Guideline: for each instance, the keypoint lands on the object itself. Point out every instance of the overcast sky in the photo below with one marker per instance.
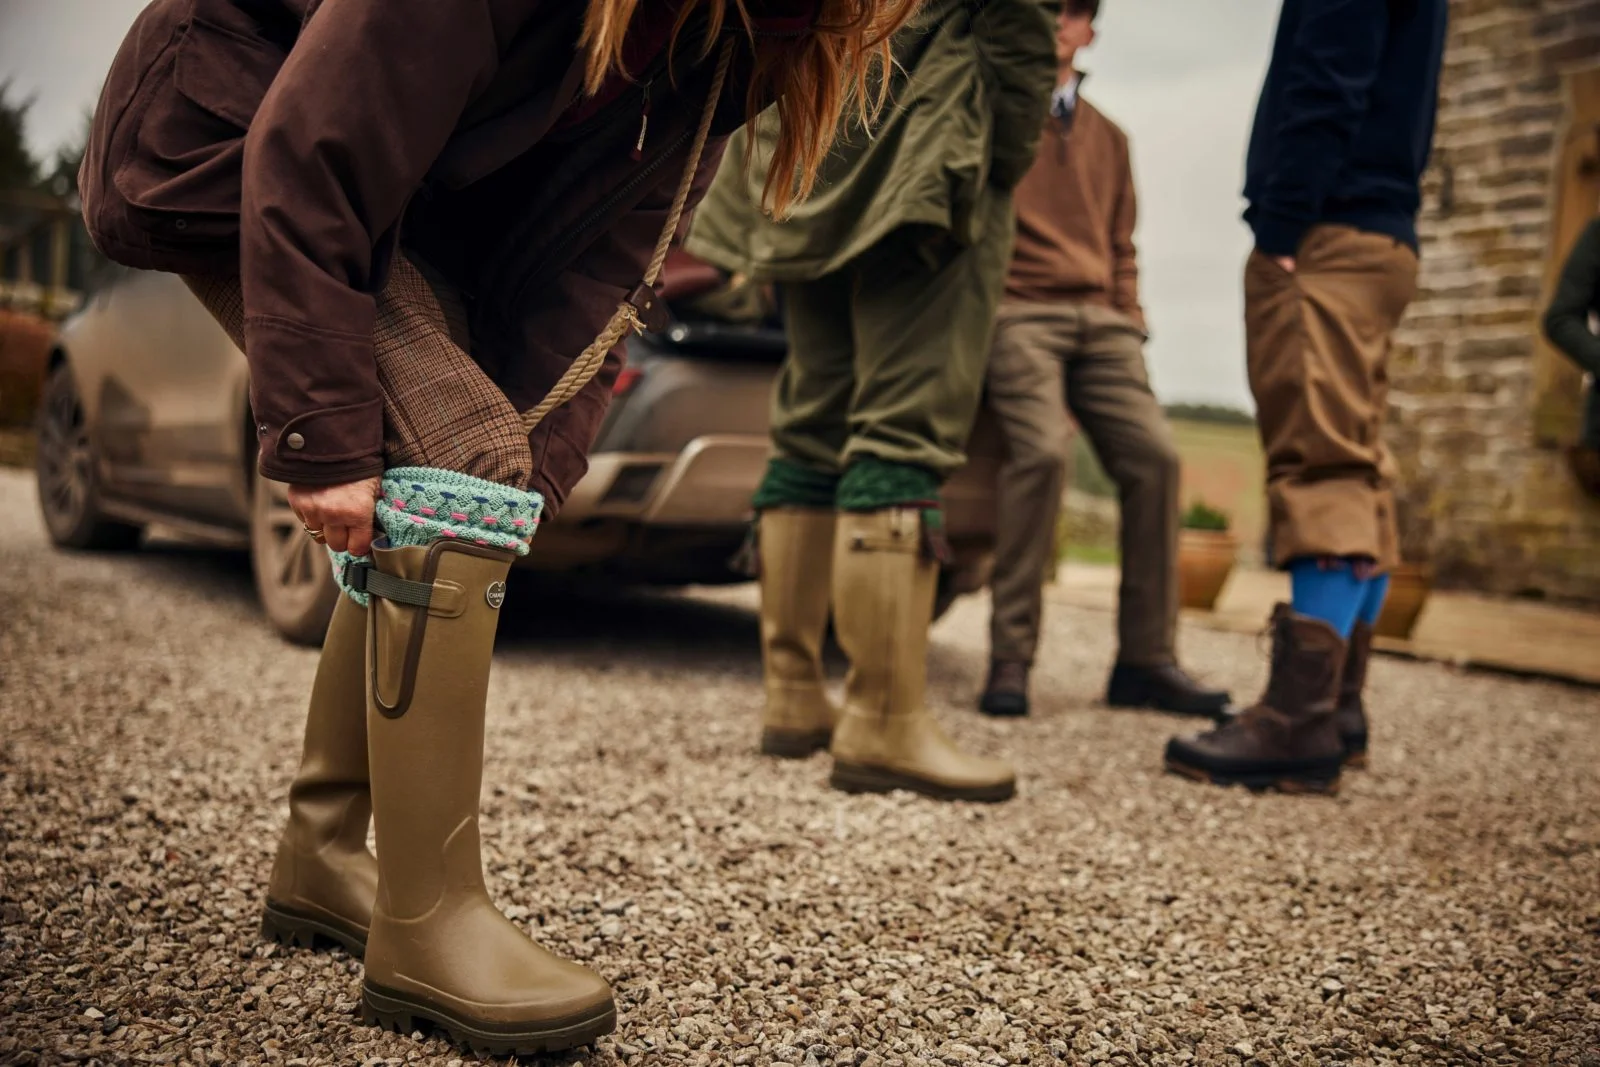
(1179, 76)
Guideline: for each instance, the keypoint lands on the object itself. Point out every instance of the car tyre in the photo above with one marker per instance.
(293, 575)
(64, 468)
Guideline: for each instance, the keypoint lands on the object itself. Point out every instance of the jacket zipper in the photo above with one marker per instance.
(644, 123)
(560, 241)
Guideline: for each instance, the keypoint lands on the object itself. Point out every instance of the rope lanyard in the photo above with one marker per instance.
(625, 319)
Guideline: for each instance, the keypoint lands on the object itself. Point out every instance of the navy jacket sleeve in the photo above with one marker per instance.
(1336, 54)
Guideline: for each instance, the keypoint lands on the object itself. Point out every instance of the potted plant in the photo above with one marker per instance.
(1206, 552)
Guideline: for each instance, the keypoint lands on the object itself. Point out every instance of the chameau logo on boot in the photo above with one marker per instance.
(495, 594)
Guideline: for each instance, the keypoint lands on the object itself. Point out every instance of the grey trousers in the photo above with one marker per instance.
(1049, 362)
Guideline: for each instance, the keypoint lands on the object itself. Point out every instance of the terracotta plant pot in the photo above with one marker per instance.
(1205, 559)
(1409, 585)
(24, 358)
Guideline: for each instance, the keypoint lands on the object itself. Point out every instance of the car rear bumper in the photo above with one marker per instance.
(708, 483)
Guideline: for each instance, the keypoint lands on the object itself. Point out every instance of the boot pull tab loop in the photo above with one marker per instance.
(363, 577)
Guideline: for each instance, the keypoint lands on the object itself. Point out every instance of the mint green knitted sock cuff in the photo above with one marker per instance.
(420, 505)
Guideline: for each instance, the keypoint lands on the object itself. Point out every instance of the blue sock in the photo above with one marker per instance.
(1372, 599)
(1328, 590)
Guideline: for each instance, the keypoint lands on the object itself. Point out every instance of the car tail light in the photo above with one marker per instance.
(627, 378)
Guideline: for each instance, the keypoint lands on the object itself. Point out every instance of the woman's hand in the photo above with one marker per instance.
(343, 514)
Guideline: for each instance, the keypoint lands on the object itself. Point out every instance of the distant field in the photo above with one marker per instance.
(1221, 465)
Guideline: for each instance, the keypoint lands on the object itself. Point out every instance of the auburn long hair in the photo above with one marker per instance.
(812, 78)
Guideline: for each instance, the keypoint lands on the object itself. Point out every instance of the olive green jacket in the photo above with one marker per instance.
(966, 107)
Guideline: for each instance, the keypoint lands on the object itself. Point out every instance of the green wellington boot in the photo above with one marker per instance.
(796, 566)
(883, 590)
(324, 879)
(439, 951)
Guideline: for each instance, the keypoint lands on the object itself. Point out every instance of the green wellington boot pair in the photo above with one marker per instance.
(871, 570)
(400, 692)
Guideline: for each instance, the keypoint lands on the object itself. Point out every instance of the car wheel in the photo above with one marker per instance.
(293, 576)
(64, 467)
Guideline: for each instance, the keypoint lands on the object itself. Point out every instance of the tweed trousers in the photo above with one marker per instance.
(439, 407)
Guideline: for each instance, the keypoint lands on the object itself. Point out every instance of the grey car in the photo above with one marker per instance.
(145, 422)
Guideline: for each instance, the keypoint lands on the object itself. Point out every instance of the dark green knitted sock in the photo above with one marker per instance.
(787, 484)
(871, 484)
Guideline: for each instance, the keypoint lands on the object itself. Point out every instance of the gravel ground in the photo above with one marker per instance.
(1445, 909)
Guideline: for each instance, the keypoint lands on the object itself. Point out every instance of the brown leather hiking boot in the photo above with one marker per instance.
(1163, 687)
(887, 739)
(1006, 694)
(1352, 712)
(439, 952)
(1288, 740)
(324, 879)
(796, 546)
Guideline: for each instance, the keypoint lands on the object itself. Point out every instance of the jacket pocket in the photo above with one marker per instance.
(180, 174)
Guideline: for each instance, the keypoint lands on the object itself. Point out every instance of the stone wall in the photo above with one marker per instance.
(1486, 496)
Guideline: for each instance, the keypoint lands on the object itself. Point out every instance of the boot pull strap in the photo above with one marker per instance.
(641, 305)
(363, 577)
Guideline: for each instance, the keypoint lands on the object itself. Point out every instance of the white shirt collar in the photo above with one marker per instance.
(1064, 101)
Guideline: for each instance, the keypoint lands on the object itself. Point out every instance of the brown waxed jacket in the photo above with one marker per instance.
(300, 143)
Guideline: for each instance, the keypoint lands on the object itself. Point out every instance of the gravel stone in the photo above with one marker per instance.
(1443, 910)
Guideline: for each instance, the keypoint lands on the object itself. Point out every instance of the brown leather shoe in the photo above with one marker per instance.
(1006, 693)
(1163, 687)
(324, 879)
(1289, 740)
(1352, 713)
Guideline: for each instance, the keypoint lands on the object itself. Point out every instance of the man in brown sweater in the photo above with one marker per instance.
(1069, 339)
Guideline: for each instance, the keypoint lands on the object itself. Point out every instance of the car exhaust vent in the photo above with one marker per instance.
(633, 484)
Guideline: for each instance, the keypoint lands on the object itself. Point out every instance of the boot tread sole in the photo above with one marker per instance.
(1208, 711)
(297, 929)
(794, 744)
(1004, 705)
(1319, 783)
(858, 778)
(403, 1014)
